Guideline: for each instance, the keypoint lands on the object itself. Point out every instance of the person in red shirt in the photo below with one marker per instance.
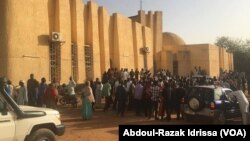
(50, 97)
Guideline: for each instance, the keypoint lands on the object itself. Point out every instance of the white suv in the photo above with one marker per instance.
(25, 123)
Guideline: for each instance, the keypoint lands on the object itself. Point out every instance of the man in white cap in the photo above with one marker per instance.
(71, 87)
(21, 97)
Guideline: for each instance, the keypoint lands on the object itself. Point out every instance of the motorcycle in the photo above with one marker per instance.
(68, 99)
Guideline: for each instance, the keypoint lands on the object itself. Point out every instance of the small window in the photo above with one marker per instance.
(195, 91)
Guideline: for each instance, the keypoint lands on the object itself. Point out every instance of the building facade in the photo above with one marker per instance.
(56, 39)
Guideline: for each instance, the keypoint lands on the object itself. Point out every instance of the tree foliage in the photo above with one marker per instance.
(240, 49)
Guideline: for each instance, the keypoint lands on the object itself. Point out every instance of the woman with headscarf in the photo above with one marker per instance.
(87, 100)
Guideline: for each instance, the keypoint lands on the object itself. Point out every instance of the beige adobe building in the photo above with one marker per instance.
(56, 39)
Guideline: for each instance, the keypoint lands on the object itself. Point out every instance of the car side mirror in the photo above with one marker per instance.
(3, 109)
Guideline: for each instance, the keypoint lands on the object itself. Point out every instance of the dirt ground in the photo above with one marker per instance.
(103, 126)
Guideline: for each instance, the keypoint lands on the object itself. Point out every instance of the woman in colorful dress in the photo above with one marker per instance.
(87, 100)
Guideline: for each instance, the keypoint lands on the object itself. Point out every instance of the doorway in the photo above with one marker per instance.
(175, 67)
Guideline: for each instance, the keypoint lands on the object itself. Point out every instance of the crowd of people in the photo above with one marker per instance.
(35, 93)
(157, 96)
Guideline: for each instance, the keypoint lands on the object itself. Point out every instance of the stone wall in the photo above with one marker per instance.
(123, 56)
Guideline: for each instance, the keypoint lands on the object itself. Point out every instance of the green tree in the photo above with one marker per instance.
(240, 49)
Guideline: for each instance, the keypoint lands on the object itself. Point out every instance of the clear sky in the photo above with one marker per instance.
(196, 21)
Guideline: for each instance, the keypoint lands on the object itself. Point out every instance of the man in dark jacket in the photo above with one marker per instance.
(168, 96)
(179, 94)
(121, 99)
(32, 86)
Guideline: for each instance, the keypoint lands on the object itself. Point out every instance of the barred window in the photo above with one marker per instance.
(74, 61)
(55, 62)
(88, 60)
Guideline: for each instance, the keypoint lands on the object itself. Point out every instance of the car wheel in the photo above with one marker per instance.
(195, 103)
(42, 135)
(220, 119)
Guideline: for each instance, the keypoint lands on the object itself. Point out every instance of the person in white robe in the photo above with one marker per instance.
(22, 97)
(243, 103)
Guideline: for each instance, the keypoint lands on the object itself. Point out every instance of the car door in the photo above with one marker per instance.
(232, 105)
(7, 124)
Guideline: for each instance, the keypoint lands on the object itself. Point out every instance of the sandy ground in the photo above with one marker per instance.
(104, 125)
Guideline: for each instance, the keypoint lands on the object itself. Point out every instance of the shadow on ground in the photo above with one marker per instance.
(72, 119)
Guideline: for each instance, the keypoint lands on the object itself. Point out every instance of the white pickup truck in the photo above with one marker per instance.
(25, 123)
